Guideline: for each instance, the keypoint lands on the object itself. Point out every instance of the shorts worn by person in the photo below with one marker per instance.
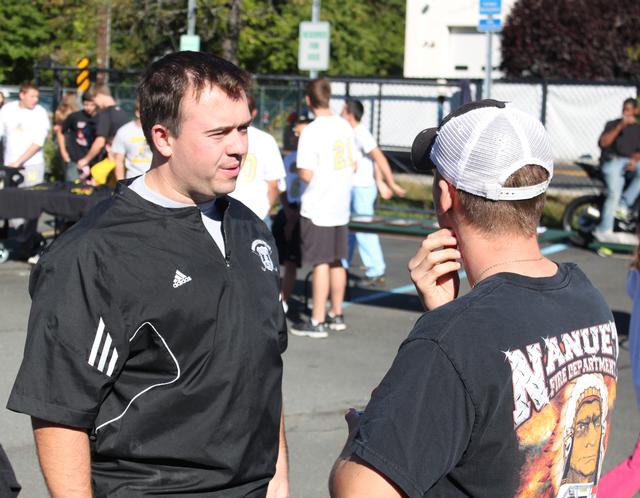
(262, 170)
(326, 161)
(507, 390)
(620, 144)
(153, 358)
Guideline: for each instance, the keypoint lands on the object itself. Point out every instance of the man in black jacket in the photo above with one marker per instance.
(153, 359)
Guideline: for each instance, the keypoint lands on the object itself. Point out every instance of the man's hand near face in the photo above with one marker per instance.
(434, 269)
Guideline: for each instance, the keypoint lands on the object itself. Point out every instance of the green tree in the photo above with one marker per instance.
(573, 39)
(261, 35)
(24, 30)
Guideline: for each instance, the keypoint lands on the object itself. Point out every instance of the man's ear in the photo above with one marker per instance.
(162, 140)
(446, 198)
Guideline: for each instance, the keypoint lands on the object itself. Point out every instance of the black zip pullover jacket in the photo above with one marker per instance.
(165, 351)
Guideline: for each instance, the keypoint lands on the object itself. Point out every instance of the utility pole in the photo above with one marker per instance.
(489, 60)
(315, 17)
(103, 41)
(191, 17)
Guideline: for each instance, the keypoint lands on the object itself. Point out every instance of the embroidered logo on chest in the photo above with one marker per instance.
(180, 279)
(263, 250)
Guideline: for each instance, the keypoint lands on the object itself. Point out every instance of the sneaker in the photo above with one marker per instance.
(372, 281)
(616, 238)
(336, 323)
(33, 260)
(308, 329)
(622, 213)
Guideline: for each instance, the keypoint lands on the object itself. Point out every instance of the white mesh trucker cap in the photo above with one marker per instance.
(477, 147)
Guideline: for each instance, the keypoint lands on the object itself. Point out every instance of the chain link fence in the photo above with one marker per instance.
(395, 110)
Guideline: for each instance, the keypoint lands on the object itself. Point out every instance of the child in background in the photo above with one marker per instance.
(286, 225)
(624, 480)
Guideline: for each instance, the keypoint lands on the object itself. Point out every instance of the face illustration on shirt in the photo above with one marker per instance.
(587, 432)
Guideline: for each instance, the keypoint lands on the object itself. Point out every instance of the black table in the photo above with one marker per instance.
(66, 200)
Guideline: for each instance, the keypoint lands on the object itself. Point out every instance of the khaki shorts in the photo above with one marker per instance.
(322, 245)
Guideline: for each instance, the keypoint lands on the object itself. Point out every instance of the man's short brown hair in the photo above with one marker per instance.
(101, 89)
(319, 93)
(167, 80)
(28, 85)
(507, 217)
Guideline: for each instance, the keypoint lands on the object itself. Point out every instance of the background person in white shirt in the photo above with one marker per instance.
(25, 126)
(286, 225)
(372, 176)
(326, 162)
(132, 154)
(261, 173)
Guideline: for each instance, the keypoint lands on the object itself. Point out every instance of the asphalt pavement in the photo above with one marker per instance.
(324, 377)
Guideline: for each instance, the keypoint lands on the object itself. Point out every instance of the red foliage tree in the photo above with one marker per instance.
(572, 39)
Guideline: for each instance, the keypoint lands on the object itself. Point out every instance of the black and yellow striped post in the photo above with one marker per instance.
(83, 77)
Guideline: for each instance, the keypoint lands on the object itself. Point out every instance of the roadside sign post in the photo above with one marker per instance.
(313, 49)
(190, 42)
(489, 24)
(83, 77)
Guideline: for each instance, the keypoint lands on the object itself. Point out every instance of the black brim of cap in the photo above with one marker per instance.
(421, 149)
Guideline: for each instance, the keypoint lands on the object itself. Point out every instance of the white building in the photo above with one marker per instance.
(442, 40)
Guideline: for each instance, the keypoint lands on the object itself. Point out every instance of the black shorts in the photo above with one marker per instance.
(323, 244)
(288, 250)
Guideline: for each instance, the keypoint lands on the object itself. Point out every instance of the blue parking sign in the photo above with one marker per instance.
(490, 7)
(490, 24)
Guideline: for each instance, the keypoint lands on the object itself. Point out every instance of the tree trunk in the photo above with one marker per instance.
(103, 40)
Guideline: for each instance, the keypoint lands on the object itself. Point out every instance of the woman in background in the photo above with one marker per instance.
(624, 480)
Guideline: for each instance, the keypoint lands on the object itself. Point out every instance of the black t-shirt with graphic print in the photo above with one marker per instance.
(79, 130)
(508, 388)
(168, 353)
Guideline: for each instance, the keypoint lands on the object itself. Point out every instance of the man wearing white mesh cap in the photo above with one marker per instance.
(477, 401)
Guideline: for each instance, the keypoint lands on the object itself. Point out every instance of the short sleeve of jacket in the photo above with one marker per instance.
(75, 345)
(365, 139)
(418, 422)
(307, 154)
(119, 142)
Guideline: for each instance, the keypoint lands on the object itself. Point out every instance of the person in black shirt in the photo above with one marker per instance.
(620, 144)
(153, 364)
(78, 130)
(108, 120)
(508, 390)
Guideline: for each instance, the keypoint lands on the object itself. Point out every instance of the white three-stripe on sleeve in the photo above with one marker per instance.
(108, 350)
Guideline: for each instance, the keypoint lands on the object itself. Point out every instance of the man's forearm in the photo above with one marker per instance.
(279, 485)
(119, 170)
(26, 155)
(272, 192)
(97, 145)
(606, 139)
(282, 464)
(65, 459)
(383, 165)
